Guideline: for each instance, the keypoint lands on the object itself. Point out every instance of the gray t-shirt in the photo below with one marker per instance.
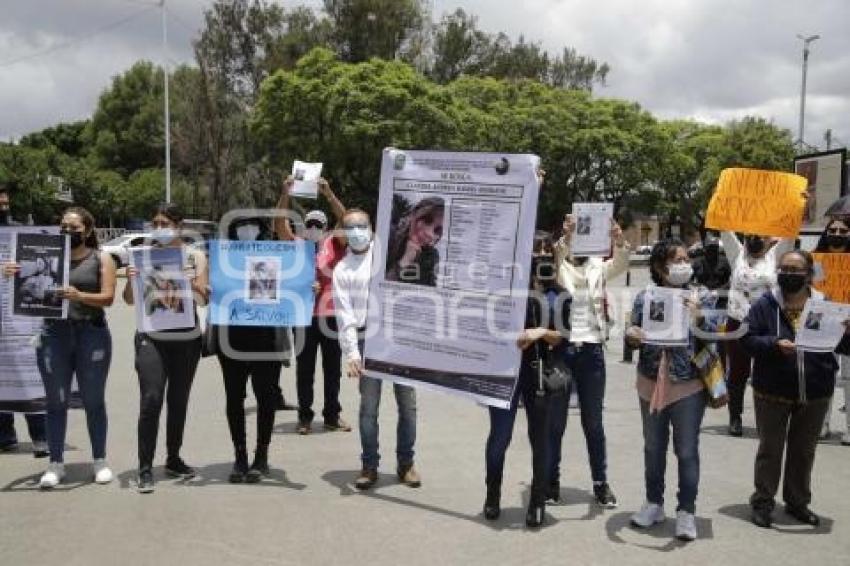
(85, 276)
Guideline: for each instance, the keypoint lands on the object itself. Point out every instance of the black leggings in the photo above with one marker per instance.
(161, 365)
(264, 377)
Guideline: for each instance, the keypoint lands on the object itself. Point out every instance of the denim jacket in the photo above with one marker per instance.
(681, 366)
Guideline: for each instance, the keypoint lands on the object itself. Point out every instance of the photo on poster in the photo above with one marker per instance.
(413, 242)
(813, 321)
(656, 311)
(306, 179)
(592, 232)
(262, 279)
(583, 225)
(43, 261)
(164, 289)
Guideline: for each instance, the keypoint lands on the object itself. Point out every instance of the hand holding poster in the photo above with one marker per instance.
(44, 265)
(162, 291)
(836, 276)
(766, 203)
(592, 233)
(263, 283)
(306, 176)
(823, 326)
(666, 321)
(448, 293)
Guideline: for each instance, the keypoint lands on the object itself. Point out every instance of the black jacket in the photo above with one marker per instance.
(809, 376)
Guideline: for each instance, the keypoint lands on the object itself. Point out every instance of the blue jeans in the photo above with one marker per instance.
(35, 424)
(542, 432)
(370, 400)
(79, 349)
(685, 416)
(588, 366)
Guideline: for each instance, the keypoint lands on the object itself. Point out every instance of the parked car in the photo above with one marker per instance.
(119, 248)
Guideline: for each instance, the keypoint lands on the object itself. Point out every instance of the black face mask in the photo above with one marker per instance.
(543, 268)
(755, 245)
(791, 283)
(836, 241)
(77, 239)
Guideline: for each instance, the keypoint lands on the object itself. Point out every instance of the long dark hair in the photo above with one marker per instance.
(88, 222)
(171, 211)
(822, 245)
(400, 231)
(662, 251)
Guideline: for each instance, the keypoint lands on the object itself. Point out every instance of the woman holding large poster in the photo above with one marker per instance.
(79, 346)
(542, 341)
(166, 360)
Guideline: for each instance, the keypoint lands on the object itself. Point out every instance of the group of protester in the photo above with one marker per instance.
(562, 348)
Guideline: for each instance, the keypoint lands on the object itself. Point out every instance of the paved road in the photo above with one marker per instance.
(307, 512)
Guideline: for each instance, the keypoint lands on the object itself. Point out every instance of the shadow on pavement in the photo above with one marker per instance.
(619, 526)
(76, 476)
(723, 430)
(573, 496)
(213, 474)
(511, 518)
(781, 522)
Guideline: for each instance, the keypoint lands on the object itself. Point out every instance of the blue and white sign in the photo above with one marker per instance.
(263, 283)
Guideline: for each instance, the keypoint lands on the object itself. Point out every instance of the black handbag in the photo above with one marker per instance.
(553, 374)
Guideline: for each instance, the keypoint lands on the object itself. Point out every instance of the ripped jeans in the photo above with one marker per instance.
(68, 349)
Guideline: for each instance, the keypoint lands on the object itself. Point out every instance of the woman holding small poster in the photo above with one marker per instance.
(671, 390)
(79, 346)
(166, 360)
(791, 391)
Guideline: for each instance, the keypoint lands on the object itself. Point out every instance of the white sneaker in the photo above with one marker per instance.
(53, 476)
(102, 473)
(650, 514)
(686, 526)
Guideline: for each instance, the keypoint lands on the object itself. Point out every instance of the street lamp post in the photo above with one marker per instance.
(806, 42)
(167, 109)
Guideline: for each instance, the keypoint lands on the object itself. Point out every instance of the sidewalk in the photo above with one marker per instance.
(308, 514)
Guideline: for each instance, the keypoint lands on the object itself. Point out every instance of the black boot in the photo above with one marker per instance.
(260, 467)
(553, 492)
(492, 508)
(536, 506)
(240, 466)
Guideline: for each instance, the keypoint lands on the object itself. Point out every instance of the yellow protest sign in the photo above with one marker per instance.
(767, 203)
(836, 282)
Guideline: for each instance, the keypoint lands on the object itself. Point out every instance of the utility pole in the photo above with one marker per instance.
(167, 109)
(806, 42)
(828, 138)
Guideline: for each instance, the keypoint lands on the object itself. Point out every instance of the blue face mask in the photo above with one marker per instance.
(163, 236)
(358, 238)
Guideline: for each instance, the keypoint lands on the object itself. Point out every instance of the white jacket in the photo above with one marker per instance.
(598, 272)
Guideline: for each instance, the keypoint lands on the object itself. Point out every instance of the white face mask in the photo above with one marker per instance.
(247, 232)
(358, 238)
(679, 274)
(314, 234)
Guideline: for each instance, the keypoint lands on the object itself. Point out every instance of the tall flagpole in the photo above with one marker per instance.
(167, 109)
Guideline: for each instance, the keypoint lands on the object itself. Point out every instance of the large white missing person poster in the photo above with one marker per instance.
(161, 290)
(823, 326)
(451, 265)
(21, 388)
(306, 179)
(665, 319)
(592, 233)
(44, 266)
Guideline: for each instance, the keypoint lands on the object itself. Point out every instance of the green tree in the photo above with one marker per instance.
(362, 29)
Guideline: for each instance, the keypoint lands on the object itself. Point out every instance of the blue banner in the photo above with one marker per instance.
(262, 283)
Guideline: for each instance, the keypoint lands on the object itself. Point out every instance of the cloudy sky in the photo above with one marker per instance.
(712, 60)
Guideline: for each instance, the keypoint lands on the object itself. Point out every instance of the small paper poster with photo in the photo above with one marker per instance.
(162, 290)
(665, 316)
(44, 267)
(592, 233)
(306, 176)
(822, 326)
